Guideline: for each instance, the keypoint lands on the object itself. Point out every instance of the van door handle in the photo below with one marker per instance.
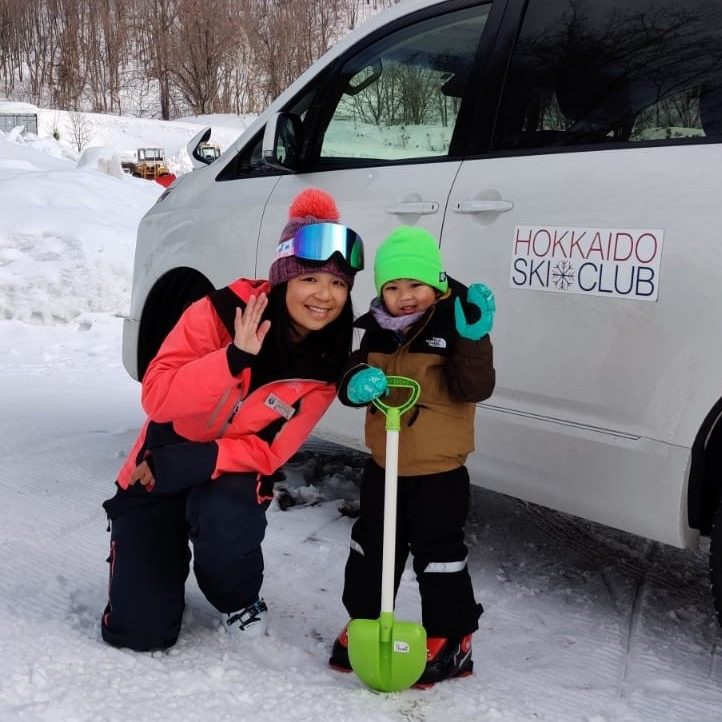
(417, 209)
(472, 206)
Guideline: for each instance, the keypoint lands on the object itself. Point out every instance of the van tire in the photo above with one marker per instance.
(715, 562)
(167, 300)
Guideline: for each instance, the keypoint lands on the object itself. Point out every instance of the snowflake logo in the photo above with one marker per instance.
(563, 275)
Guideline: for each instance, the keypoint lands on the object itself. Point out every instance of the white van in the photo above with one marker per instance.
(568, 153)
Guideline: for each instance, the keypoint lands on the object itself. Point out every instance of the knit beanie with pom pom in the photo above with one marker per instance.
(311, 205)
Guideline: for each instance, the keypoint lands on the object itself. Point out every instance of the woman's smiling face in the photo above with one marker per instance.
(314, 300)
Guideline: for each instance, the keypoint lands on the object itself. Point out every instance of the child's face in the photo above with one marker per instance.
(404, 296)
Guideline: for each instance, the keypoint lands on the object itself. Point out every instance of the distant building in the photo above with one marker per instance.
(14, 114)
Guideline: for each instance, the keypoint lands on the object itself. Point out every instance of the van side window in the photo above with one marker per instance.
(622, 71)
(247, 163)
(399, 98)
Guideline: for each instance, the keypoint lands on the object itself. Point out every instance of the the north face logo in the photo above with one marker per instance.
(436, 342)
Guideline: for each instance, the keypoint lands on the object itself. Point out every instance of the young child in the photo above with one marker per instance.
(233, 392)
(433, 329)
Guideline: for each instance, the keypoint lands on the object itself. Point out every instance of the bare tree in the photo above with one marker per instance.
(212, 56)
(38, 48)
(286, 36)
(203, 49)
(153, 23)
(81, 129)
(106, 52)
(69, 24)
(10, 62)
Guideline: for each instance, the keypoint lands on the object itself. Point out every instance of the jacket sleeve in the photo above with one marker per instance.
(191, 371)
(470, 371)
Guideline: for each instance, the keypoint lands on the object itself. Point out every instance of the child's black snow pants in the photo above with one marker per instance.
(150, 556)
(431, 513)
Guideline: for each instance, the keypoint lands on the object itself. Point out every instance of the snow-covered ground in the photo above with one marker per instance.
(581, 623)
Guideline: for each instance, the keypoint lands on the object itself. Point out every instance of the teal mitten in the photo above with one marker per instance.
(482, 297)
(366, 385)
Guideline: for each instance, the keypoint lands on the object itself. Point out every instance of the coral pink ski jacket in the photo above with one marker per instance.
(202, 421)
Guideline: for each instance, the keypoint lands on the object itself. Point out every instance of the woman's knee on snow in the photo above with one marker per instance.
(225, 518)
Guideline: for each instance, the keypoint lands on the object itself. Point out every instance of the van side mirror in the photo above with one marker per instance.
(194, 148)
(282, 141)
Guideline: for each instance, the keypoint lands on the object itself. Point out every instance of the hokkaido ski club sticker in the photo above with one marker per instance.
(616, 262)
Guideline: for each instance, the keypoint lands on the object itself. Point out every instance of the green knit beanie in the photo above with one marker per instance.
(410, 253)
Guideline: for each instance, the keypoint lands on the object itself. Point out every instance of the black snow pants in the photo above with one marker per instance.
(150, 556)
(431, 513)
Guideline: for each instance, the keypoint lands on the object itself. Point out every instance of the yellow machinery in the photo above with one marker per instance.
(149, 164)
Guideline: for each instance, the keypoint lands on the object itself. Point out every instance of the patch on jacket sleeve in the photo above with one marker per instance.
(436, 342)
(279, 406)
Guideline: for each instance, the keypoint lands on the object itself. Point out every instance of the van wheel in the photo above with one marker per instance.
(715, 561)
(173, 293)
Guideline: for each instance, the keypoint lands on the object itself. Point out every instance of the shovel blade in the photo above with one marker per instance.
(387, 655)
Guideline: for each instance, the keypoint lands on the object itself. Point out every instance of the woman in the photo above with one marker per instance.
(235, 389)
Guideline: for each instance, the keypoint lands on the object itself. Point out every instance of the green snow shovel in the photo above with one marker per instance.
(388, 655)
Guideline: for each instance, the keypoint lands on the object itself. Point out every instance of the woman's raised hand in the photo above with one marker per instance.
(250, 330)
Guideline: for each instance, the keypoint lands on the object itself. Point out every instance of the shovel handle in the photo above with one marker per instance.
(394, 413)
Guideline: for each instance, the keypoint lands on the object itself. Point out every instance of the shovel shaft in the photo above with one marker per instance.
(389, 548)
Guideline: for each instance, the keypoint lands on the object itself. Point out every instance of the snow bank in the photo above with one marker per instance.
(103, 159)
(67, 234)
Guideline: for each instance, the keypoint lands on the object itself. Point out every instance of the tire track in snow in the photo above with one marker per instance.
(634, 621)
(53, 534)
(663, 610)
(538, 604)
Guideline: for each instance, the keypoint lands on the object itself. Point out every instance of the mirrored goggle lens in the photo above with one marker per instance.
(319, 241)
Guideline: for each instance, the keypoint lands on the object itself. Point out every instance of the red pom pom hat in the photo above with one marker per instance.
(311, 205)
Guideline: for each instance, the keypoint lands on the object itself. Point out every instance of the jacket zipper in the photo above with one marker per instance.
(227, 422)
(219, 406)
(237, 406)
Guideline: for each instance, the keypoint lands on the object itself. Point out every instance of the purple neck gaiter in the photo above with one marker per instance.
(392, 323)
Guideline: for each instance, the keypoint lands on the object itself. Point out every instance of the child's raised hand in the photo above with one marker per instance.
(249, 329)
(482, 297)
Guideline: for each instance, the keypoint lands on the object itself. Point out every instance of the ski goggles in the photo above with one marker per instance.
(319, 241)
